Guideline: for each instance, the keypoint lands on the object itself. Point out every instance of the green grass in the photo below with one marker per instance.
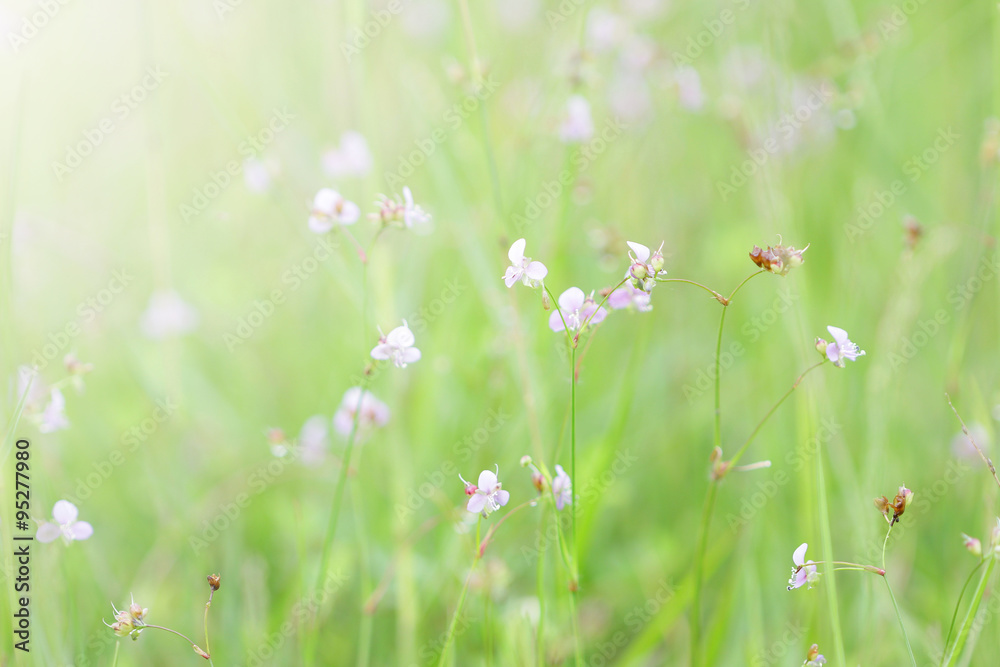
(644, 400)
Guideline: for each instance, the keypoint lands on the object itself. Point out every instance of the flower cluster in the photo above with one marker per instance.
(373, 412)
(779, 259)
(129, 622)
(646, 267)
(402, 213)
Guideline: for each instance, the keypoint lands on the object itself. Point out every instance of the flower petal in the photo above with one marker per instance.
(641, 251)
(349, 213)
(572, 299)
(516, 252)
(838, 334)
(326, 200)
(410, 355)
(476, 503)
(400, 336)
(320, 224)
(502, 497)
(512, 275)
(487, 480)
(833, 353)
(64, 512)
(47, 532)
(81, 530)
(556, 321)
(536, 271)
(382, 351)
(799, 556)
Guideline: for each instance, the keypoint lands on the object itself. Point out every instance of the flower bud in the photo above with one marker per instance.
(821, 345)
(638, 271)
(214, 581)
(973, 545)
(525, 461)
(907, 497)
(122, 628)
(471, 489)
(546, 301)
(539, 481)
(200, 652)
(656, 261)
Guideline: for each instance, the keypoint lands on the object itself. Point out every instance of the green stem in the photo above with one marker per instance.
(575, 621)
(721, 299)
(160, 627)
(760, 425)
(114, 661)
(699, 573)
(831, 582)
(208, 605)
(461, 601)
(540, 587)
(958, 604)
(899, 617)
(600, 305)
(970, 615)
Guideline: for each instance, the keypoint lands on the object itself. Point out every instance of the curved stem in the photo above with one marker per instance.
(718, 297)
(958, 604)
(745, 281)
(895, 606)
(495, 527)
(760, 425)
(555, 304)
(601, 304)
(160, 627)
(208, 648)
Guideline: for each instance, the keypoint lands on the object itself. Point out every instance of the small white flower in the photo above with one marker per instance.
(64, 523)
(330, 209)
(351, 158)
(488, 496)
(398, 347)
(562, 488)
(168, 315)
(522, 268)
(374, 413)
(578, 125)
(53, 418)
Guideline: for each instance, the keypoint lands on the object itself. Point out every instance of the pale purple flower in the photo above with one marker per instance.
(522, 268)
(578, 125)
(576, 309)
(627, 296)
(314, 440)
(330, 209)
(689, 90)
(351, 158)
(256, 175)
(374, 413)
(64, 523)
(488, 496)
(605, 29)
(804, 571)
(842, 348)
(562, 488)
(645, 266)
(168, 315)
(53, 417)
(397, 346)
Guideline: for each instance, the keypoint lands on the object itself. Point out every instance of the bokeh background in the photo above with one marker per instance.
(891, 178)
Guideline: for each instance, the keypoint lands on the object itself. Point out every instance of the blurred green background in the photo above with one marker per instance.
(698, 88)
